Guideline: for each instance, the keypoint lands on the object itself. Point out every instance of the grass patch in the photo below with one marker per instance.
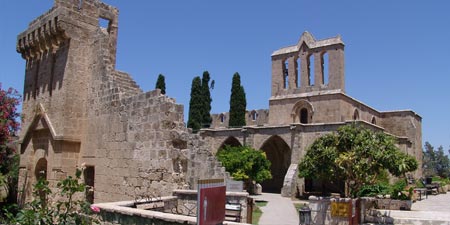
(256, 214)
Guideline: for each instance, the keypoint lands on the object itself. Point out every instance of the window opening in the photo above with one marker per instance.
(222, 118)
(304, 115)
(311, 70)
(285, 74)
(356, 115)
(89, 180)
(325, 68)
(374, 121)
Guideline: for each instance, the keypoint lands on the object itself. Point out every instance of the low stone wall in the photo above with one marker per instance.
(187, 200)
(170, 210)
(326, 210)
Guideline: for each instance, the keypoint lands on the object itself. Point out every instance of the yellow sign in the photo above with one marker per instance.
(340, 209)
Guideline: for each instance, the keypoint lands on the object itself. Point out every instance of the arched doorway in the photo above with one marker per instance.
(40, 173)
(279, 154)
(40, 170)
(230, 141)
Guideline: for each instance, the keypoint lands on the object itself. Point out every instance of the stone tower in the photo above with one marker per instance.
(300, 68)
(80, 110)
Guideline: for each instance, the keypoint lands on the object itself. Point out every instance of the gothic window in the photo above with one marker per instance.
(254, 115)
(356, 115)
(304, 115)
(374, 121)
(286, 74)
(325, 68)
(222, 118)
(311, 70)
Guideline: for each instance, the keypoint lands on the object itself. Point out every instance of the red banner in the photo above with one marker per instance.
(211, 203)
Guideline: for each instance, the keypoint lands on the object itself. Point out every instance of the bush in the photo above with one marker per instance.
(68, 210)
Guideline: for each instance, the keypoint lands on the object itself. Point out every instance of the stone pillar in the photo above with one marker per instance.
(292, 61)
(277, 75)
(318, 70)
(304, 74)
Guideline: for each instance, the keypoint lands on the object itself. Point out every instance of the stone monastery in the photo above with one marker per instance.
(79, 110)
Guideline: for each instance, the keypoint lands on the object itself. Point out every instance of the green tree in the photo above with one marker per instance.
(206, 100)
(238, 103)
(161, 84)
(356, 155)
(9, 125)
(195, 105)
(245, 163)
(435, 162)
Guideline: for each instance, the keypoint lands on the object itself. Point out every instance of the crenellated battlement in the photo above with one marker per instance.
(44, 34)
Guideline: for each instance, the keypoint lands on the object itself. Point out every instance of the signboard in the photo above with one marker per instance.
(235, 186)
(211, 202)
(340, 209)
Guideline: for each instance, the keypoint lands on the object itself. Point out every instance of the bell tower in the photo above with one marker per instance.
(301, 68)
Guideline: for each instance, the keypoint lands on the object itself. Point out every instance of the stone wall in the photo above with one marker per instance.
(79, 110)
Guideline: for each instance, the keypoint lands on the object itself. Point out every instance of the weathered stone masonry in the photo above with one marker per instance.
(80, 110)
(308, 100)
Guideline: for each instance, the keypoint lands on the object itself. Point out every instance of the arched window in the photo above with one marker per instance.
(356, 115)
(222, 118)
(311, 70)
(254, 115)
(374, 121)
(304, 115)
(325, 70)
(286, 74)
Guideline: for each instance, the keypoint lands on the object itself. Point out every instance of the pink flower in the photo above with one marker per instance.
(95, 209)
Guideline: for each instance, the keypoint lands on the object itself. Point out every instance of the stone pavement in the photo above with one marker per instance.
(434, 210)
(278, 211)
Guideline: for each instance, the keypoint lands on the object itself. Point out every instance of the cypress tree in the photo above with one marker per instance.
(206, 101)
(161, 84)
(238, 103)
(195, 105)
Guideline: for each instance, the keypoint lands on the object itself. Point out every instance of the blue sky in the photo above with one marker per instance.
(396, 54)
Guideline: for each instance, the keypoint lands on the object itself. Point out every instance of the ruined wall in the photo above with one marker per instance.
(81, 111)
(258, 117)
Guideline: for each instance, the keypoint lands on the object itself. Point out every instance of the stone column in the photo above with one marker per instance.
(292, 70)
(318, 69)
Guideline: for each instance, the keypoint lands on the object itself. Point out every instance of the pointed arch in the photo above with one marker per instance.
(374, 120)
(302, 112)
(230, 141)
(279, 154)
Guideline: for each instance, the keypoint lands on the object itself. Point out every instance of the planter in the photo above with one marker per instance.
(393, 204)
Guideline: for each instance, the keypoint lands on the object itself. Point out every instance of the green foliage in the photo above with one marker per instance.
(161, 84)
(245, 163)
(372, 190)
(238, 103)
(206, 100)
(9, 125)
(356, 155)
(67, 210)
(435, 162)
(195, 105)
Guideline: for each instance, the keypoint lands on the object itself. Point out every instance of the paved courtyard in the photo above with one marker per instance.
(433, 210)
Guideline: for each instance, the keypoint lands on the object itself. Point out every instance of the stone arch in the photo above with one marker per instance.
(222, 118)
(253, 115)
(374, 120)
(230, 141)
(279, 153)
(300, 106)
(356, 115)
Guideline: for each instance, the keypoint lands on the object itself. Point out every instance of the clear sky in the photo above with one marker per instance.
(397, 53)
